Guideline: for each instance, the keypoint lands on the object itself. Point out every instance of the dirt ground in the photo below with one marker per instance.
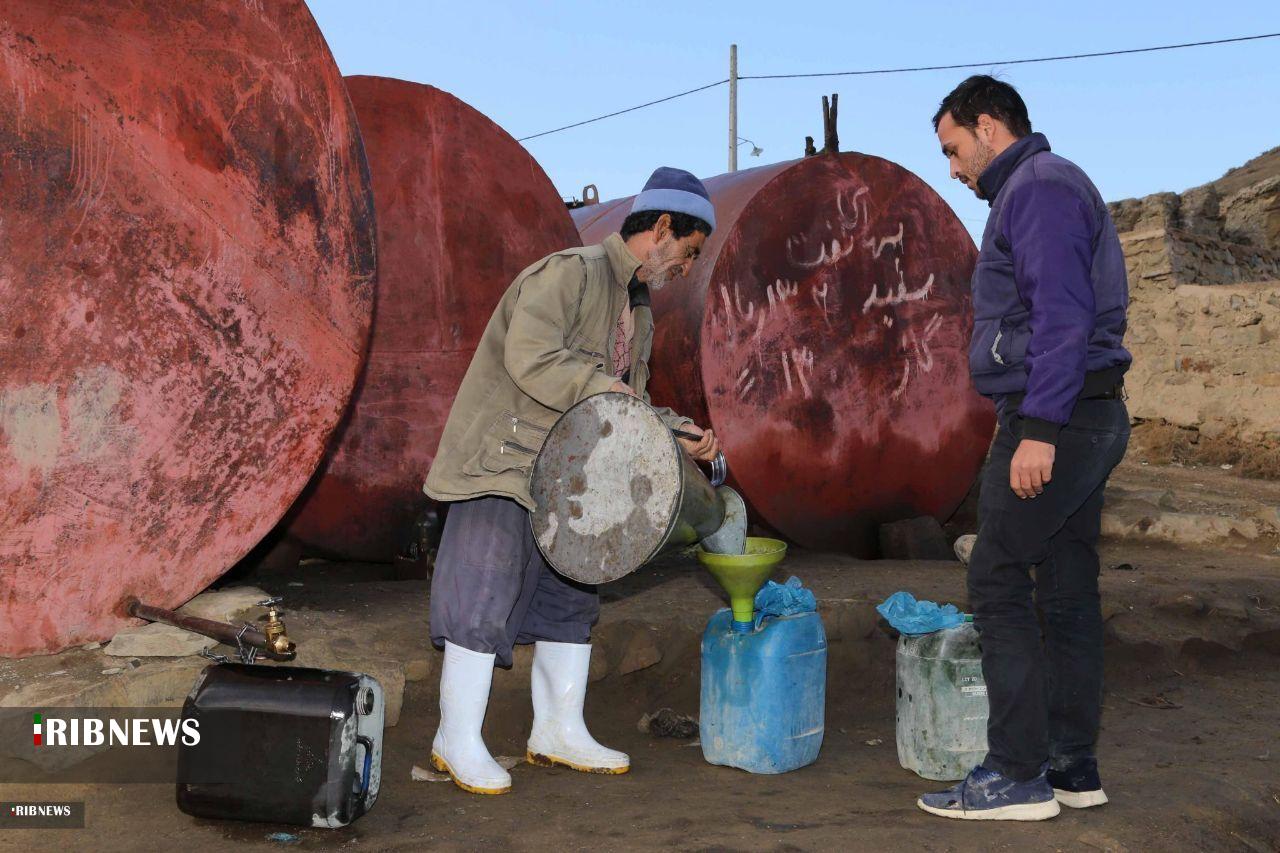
(1189, 749)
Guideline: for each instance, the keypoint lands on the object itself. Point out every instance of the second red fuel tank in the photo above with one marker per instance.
(462, 208)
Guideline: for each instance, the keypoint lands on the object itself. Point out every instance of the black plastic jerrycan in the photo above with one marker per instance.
(282, 744)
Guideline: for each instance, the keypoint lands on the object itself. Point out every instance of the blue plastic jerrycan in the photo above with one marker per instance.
(763, 692)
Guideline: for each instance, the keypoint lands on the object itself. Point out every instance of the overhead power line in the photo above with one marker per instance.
(1010, 61)
(627, 110)
(905, 71)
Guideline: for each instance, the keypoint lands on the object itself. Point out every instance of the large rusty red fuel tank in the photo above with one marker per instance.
(186, 285)
(462, 208)
(823, 335)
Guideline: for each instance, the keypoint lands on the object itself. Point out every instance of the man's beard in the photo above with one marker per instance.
(982, 158)
(657, 281)
(658, 267)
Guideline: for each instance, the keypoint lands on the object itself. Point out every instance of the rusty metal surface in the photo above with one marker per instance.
(186, 264)
(823, 335)
(462, 209)
(613, 490)
(586, 216)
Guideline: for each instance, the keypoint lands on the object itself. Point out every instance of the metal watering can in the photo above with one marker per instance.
(614, 490)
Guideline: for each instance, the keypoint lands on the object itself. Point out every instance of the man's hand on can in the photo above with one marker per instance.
(623, 388)
(704, 450)
(1031, 467)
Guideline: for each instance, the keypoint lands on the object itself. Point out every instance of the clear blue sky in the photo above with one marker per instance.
(1137, 124)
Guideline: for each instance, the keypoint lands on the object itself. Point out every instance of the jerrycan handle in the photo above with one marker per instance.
(719, 465)
(719, 470)
(367, 770)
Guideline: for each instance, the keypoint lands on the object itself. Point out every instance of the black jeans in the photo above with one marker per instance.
(1045, 690)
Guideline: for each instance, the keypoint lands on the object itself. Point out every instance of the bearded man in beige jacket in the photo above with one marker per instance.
(575, 323)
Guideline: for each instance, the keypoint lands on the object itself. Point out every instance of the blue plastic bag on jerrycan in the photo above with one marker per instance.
(764, 690)
(903, 612)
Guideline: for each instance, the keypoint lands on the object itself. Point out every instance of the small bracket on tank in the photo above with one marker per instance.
(830, 138)
(590, 195)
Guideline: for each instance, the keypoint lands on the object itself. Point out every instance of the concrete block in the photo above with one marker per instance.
(914, 539)
(235, 604)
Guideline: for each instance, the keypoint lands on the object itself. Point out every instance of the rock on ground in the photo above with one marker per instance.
(235, 604)
(157, 640)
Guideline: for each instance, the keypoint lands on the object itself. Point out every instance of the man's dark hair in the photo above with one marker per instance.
(682, 224)
(983, 94)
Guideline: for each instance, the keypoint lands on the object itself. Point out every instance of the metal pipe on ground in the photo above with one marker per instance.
(224, 632)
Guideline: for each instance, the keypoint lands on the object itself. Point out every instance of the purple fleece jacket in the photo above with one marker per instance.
(1050, 291)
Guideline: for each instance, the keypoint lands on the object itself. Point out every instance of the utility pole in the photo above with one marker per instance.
(733, 108)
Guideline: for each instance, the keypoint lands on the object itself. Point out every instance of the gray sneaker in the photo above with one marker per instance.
(988, 795)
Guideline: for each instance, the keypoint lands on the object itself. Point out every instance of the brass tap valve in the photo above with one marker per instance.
(274, 629)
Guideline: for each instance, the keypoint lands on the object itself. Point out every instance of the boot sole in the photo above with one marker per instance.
(442, 766)
(1080, 799)
(1023, 811)
(555, 761)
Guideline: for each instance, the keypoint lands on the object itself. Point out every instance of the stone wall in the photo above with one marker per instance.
(1225, 232)
(1171, 256)
(1207, 358)
(1204, 320)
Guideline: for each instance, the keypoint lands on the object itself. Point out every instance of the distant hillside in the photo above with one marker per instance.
(1204, 320)
(1261, 168)
(1240, 209)
(1265, 165)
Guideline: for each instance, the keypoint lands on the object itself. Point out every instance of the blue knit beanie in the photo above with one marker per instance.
(676, 191)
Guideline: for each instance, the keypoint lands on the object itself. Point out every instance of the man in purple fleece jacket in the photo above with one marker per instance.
(1049, 297)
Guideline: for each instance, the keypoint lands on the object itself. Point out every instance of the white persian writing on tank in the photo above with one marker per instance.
(845, 233)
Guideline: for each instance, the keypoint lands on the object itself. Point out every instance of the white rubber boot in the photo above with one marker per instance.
(458, 748)
(559, 734)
